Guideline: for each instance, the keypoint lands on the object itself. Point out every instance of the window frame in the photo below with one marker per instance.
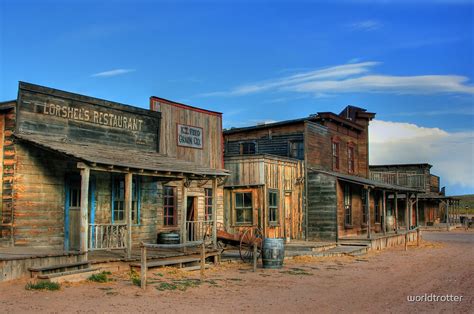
(242, 145)
(166, 206)
(336, 150)
(299, 149)
(208, 199)
(351, 158)
(273, 207)
(119, 201)
(347, 205)
(244, 208)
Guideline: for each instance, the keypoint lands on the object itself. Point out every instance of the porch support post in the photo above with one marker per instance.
(417, 211)
(395, 197)
(407, 211)
(214, 213)
(367, 204)
(84, 224)
(184, 200)
(447, 214)
(384, 213)
(128, 211)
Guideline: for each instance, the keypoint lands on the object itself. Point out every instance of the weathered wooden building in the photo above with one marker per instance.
(83, 174)
(432, 202)
(338, 199)
(266, 191)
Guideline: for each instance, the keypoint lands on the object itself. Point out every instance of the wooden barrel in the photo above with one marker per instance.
(168, 238)
(273, 253)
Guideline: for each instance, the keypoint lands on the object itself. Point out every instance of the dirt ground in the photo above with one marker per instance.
(378, 282)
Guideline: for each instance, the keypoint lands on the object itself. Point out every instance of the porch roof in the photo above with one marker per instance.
(368, 182)
(109, 156)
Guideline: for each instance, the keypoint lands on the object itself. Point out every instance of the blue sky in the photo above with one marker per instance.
(411, 62)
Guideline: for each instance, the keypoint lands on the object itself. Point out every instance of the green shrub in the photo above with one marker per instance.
(43, 285)
(101, 277)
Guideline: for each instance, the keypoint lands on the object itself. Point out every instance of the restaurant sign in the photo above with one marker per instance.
(189, 136)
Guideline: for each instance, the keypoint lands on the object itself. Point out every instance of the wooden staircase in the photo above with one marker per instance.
(71, 272)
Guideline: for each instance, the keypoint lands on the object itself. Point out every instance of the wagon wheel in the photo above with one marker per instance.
(251, 236)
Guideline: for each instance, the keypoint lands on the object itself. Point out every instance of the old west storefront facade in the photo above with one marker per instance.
(82, 174)
(336, 198)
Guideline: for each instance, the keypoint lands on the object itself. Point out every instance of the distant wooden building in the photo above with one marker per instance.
(433, 203)
(336, 196)
(82, 174)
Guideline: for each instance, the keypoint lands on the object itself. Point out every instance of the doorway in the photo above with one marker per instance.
(191, 217)
(72, 214)
(288, 214)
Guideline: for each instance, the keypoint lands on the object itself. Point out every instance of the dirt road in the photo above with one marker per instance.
(379, 282)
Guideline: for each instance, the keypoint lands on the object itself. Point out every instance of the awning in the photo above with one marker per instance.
(370, 183)
(108, 156)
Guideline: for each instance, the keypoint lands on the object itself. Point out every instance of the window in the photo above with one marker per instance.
(335, 155)
(347, 205)
(273, 207)
(248, 148)
(243, 208)
(377, 207)
(208, 204)
(297, 149)
(363, 200)
(118, 199)
(350, 159)
(169, 205)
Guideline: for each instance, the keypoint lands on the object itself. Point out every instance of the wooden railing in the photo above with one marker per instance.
(107, 236)
(197, 230)
(403, 179)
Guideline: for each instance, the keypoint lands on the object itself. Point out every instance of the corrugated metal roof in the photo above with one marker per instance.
(365, 181)
(119, 157)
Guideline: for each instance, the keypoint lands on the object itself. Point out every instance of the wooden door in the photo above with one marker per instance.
(191, 214)
(288, 215)
(73, 214)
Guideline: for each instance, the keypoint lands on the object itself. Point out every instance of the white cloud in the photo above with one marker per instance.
(367, 25)
(111, 73)
(451, 154)
(354, 78)
(426, 84)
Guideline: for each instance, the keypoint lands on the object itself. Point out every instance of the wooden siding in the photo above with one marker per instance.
(211, 155)
(8, 168)
(267, 144)
(2, 135)
(38, 198)
(259, 175)
(318, 148)
(71, 117)
(322, 206)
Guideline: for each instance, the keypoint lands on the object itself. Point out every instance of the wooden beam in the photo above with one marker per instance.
(84, 223)
(384, 212)
(417, 211)
(367, 204)
(447, 215)
(128, 211)
(396, 211)
(214, 213)
(184, 200)
(407, 211)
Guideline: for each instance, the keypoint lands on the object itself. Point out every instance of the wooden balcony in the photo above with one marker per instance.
(417, 181)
